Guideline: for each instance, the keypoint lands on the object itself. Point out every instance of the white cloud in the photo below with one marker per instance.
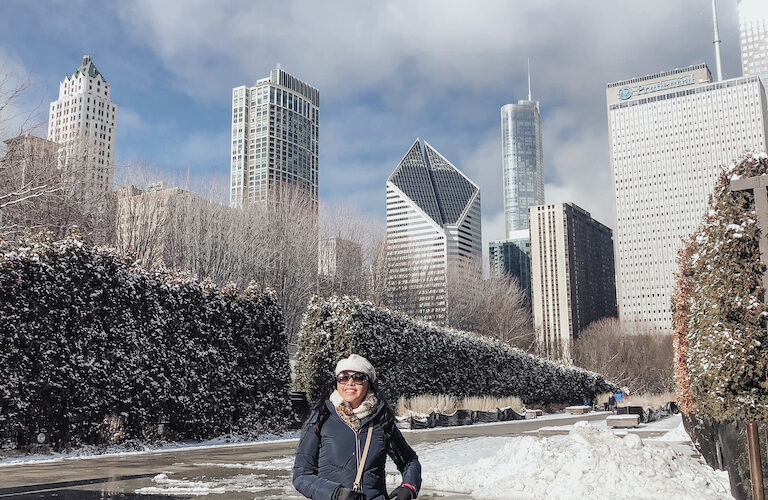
(391, 71)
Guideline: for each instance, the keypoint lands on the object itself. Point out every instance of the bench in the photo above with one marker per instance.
(630, 420)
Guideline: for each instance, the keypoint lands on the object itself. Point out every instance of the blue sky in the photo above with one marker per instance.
(387, 72)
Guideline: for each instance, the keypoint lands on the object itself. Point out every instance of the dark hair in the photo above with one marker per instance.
(386, 418)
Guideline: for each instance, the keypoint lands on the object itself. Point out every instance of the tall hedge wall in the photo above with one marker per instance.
(88, 339)
(726, 313)
(412, 357)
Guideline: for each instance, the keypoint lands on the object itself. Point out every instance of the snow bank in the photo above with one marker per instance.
(588, 462)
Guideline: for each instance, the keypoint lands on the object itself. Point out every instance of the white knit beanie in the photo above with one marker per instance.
(356, 363)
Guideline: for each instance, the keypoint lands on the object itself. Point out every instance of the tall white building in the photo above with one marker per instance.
(275, 126)
(671, 134)
(433, 230)
(84, 120)
(753, 38)
(572, 275)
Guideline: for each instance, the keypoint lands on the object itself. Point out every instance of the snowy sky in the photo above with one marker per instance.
(387, 71)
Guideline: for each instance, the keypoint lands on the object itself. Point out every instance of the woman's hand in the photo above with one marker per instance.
(342, 493)
(402, 492)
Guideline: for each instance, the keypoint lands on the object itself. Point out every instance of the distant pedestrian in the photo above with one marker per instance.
(612, 402)
(346, 440)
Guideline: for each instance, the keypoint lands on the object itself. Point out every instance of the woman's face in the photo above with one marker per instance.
(352, 392)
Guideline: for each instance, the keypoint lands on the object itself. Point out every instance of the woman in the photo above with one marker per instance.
(346, 440)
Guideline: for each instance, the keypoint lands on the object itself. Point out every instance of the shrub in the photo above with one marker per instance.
(727, 342)
(413, 357)
(92, 343)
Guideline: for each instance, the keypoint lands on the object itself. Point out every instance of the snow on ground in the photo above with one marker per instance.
(245, 483)
(587, 463)
(590, 462)
(134, 448)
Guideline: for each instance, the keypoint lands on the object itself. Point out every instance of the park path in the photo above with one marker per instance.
(246, 471)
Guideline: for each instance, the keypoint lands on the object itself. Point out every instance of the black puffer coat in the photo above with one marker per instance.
(328, 461)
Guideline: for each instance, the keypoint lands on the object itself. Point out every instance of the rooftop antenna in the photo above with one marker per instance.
(529, 76)
(717, 43)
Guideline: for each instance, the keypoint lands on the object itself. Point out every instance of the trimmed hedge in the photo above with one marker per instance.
(95, 349)
(724, 314)
(413, 357)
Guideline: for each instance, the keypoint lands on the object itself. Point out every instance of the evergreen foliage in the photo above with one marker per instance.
(95, 349)
(413, 357)
(727, 343)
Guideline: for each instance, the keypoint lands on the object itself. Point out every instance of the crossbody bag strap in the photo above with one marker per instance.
(361, 467)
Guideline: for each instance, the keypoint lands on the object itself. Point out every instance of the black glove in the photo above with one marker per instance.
(342, 493)
(402, 493)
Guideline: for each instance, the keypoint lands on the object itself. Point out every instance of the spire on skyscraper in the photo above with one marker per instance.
(717, 42)
(529, 78)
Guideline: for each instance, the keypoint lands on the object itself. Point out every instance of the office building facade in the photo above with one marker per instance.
(753, 38)
(572, 275)
(84, 121)
(433, 230)
(274, 150)
(671, 134)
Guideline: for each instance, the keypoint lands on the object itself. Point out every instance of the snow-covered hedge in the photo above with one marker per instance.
(93, 348)
(414, 357)
(727, 342)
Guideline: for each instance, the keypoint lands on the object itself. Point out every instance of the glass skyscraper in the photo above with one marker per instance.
(753, 38)
(509, 258)
(523, 186)
(275, 128)
(522, 162)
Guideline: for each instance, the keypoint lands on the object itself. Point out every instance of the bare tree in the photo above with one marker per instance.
(271, 243)
(628, 354)
(495, 306)
(44, 184)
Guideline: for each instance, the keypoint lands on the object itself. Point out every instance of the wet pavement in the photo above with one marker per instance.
(259, 470)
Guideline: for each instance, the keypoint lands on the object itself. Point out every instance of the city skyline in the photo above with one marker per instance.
(175, 108)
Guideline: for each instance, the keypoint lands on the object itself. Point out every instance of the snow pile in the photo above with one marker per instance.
(588, 462)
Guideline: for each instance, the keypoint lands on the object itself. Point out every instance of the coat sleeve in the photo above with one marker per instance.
(305, 478)
(411, 471)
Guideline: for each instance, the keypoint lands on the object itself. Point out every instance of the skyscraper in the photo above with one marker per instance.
(572, 275)
(84, 120)
(753, 38)
(671, 134)
(275, 126)
(433, 229)
(523, 187)
(522, 161)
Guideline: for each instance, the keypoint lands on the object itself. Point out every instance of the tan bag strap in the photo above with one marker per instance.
(361, 467)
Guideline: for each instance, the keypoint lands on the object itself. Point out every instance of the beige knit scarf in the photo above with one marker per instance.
(353, 416)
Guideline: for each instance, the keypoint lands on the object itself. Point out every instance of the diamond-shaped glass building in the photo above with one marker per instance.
(433, 229)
